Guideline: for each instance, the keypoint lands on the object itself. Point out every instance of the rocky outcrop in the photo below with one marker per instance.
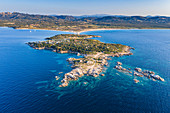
(63, 84)
(89, 65)
(102, 75)
(138, 72)
(138, 69)
(135, 80)
(54, 50)
(157, 77)
(118, 67)
(119, 63)
(56, 77)
(63, 51)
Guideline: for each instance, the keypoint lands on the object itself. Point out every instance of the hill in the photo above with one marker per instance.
(65, 22)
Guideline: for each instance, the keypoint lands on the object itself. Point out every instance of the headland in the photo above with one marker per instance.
(95, 54)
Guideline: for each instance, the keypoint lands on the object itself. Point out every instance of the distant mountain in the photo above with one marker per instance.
(67, 22)
(66, 17)
(97, 15)
(17, 16)
(134, 19)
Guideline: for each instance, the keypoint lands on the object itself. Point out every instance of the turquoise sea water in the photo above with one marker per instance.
(27, 76)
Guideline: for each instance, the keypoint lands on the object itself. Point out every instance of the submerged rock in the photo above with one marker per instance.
(63, 84)
(123, 69)
(102, 75)
(153, 79)
(119, 63)
(130, 53)
(60, 72)
(135, 80)
(130, 71)
(95, 75)
(84, 82)
(57, 77)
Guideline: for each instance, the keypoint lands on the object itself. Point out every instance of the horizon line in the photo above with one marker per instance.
(84, 14)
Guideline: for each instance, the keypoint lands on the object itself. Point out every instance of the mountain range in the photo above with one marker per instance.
(20, 20)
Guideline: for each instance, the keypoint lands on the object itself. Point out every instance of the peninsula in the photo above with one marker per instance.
(95, 54)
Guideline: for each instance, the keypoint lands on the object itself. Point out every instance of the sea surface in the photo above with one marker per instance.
(28, 85)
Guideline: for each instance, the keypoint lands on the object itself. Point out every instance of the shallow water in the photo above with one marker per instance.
(27, 76)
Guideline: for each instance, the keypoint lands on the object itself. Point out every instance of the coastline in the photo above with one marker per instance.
(91, 64)
(102, 29)
(41, 29)
(94, 70)
(92, 67)
(86, 30)
(28, 75)
(76, 32)
(88, 65)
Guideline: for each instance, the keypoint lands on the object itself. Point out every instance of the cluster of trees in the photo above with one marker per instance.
(70, 36)
(84, 46)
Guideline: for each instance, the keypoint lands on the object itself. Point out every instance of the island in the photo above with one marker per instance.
(94, 53)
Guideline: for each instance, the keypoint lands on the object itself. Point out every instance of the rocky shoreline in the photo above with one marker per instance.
(138, 72)
(89, 65)
(93, 64)
(95, 54)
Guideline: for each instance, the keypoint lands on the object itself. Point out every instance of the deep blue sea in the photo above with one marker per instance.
(28, 85)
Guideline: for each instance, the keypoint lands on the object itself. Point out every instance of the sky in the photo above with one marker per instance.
(88, 7)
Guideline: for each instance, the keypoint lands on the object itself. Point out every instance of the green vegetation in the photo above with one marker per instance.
(64, 22)
(95, 56)
(86, 46)
(70, 36)
(69, 43)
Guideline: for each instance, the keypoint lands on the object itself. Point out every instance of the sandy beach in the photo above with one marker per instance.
(85, 30)
(76, 32)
